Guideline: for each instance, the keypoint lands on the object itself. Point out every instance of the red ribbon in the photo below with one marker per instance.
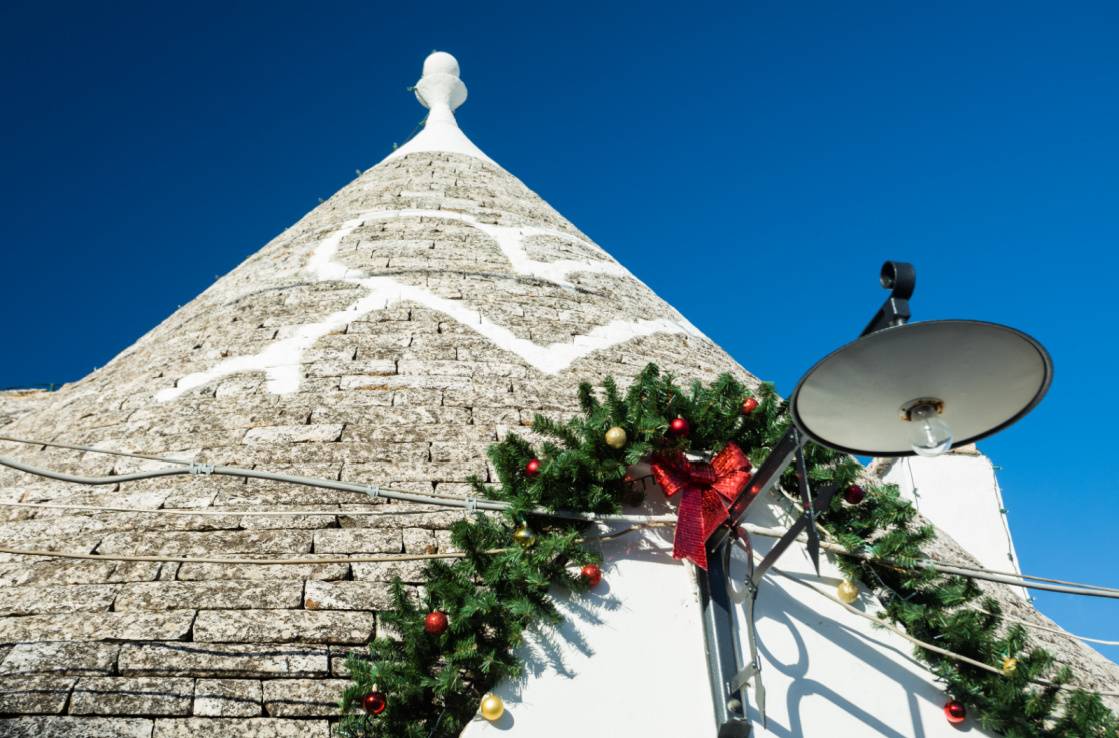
(702, 488)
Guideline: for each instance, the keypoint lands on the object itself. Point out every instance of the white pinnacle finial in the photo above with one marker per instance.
(440, 88)
(440, 62)
(441, 91)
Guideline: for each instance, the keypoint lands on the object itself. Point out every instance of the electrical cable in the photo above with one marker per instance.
(923, 644)
(469, 503)
(1012, 579)
(1046, 628)
(644, 522)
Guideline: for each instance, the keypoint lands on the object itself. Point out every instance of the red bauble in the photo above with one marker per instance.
(591, 574)
(955, 712)
(532, 468)
(854, 494)
(374, 703)
(435, 623)
(679, 426)
(749, 405)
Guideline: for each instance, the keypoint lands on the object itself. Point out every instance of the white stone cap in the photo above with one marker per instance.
(441, 91)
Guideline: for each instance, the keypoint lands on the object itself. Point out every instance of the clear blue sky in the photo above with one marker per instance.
(752, 162)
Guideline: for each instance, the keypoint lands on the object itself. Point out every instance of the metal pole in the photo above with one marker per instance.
(722, 649)
(728, 675)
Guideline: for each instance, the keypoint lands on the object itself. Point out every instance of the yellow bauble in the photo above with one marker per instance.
(1009, 666)
(616, 437)
(492, 707)
(847, 591)
(524, 536)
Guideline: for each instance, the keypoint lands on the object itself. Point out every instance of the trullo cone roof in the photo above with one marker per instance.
(388, 337)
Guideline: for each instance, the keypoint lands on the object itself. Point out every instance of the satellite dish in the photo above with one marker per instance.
(921, 388)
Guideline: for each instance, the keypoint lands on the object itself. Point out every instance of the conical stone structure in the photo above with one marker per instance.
(387, 338)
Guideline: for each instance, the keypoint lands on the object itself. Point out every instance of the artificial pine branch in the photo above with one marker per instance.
(434, 683)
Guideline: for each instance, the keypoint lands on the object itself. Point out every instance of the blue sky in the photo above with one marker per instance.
(754, 163)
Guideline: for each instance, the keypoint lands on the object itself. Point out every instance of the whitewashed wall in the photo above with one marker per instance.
(960, 495)
(633, 661)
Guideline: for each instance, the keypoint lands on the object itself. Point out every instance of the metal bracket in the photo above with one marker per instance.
(752, 632)
(809, 509)
(728, 677)
(900, 278)
(720, 626)
(742, 678)
(822, 502)
(719, 632)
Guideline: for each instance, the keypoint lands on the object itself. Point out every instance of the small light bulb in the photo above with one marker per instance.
(930, 435)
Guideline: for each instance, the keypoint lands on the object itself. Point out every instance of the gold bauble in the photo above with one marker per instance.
(1009, 666)
(524, 536)
(492, 707)
(847, 591)
(616, 437)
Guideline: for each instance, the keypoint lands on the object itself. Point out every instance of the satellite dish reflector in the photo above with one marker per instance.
(921, 388)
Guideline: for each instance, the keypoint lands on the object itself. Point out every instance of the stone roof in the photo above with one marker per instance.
(17, 403)
(388, 337)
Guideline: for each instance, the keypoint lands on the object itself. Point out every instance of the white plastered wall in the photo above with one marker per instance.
(959, 494)
(633, 664)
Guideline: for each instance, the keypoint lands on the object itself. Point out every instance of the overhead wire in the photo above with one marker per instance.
(371, 490)
(1039, 626)
(470, 503)
(642, 523)
(926, 645)
(963, 569)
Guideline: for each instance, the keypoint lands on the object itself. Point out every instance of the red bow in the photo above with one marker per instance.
(701, 510)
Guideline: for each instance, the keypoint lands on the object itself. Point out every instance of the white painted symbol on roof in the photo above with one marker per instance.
(281, 361)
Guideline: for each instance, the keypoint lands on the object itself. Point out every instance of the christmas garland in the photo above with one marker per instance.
(442, 653)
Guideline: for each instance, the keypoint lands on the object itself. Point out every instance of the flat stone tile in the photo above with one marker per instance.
(398, 515)
(265, 572)
(386, 571)
(227, 697)
(282, 434)
(207, 543)
(39, 600)
(419, 540)
(132, 696)
(75, 727)
(135, 571)
(303, 697)
(358, 540)
(282, 626)
(347, 596)
(223, 660)
(101, 626)
(241, 728)
(38, 694)
(228, 594)
(60, 657)
(47, 573)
